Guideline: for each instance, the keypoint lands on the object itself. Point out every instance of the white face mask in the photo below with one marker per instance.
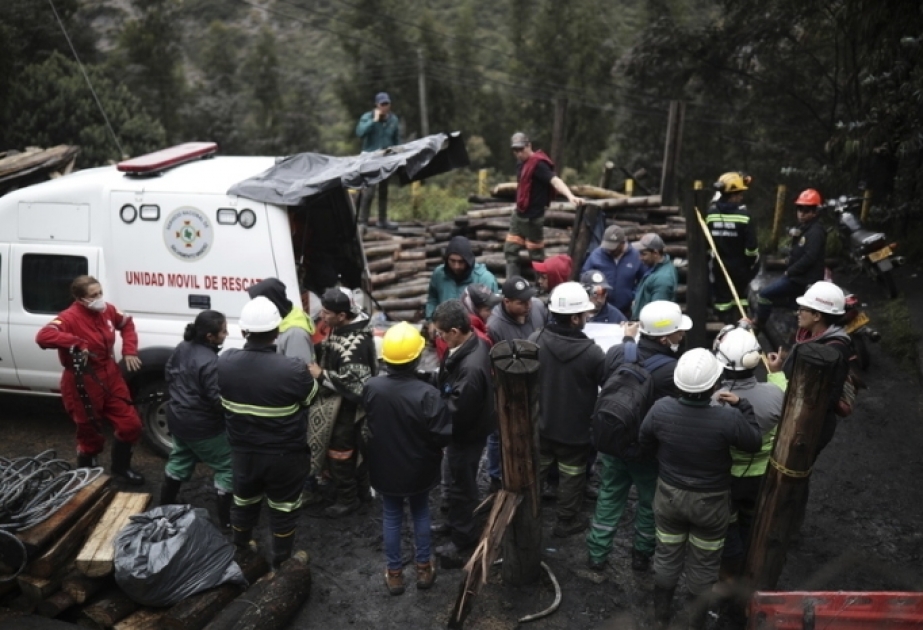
(98, 305)
(674, 347)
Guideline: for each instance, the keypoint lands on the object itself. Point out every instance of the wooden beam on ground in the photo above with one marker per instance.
(143, 619)
(63, 549)
(38, 537)
(80, 587)
(54, 605)
(96, 556)
(113, 606)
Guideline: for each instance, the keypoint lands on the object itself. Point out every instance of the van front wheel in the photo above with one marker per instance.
(152, 407)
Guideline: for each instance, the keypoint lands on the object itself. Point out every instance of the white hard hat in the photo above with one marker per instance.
(824, 297)
(570, 298)
(662, 318)
(259, 315)
(738, 350)
(696, 371)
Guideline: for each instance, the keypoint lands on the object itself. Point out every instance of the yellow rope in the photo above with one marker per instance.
(788, 472)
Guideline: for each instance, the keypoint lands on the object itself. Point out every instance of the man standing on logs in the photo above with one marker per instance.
(467, 387)
(663, 327)
(265, 395)
(536, 183)
(378, 129)
(346, 360)
(734, 234)
(518, 315)
(692, 439)
(621, 264)
(571, 370)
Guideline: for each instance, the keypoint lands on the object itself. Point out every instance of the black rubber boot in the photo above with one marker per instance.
(282, 548)
(242, 537)
(86, 461)
(169, 490)
(121, 464)
(344, 476)
(225, 499)
(663, 607)
(512, 269)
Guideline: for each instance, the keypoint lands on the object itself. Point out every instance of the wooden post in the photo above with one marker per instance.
(866, 205)
(415, 197)
(697, 268)
(482, 183)
(584, 221)
(516, 370)
(559, 133)
(784, 492)
(777, 217)
(606, 179)
(629, 187)
(671, 151)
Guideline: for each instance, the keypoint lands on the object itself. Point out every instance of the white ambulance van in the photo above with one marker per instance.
(166, 241)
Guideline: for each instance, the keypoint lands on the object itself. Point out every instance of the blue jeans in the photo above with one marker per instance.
(784, 287)
(393, 519)
(493, 456)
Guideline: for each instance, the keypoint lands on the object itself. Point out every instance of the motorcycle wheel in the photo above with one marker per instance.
(861, 345)
(887, 278)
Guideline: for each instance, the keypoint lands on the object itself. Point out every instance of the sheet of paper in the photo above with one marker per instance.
(605, 335)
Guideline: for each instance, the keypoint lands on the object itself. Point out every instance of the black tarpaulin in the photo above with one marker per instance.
(298, 177)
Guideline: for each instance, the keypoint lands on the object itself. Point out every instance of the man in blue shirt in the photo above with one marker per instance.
(620, 264)
(378, 129)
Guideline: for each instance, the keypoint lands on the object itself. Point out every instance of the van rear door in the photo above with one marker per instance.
(8, 377)
(39, 289)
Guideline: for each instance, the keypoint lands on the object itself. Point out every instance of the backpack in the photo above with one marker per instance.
(624, 400)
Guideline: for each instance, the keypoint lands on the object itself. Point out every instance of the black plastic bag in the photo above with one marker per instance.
(166, 554)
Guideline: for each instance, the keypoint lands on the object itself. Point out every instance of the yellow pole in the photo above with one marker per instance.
(866, 204)
(415, 195)
(697, 184)
(482, 182)
(777, 218)
(629, 187)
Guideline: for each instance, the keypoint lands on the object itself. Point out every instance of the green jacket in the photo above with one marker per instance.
(378, 135)
(658, 284)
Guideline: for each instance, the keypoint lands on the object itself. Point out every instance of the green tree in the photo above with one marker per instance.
(54, 106)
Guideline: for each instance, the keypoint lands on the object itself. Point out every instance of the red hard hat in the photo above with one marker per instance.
(809, 197)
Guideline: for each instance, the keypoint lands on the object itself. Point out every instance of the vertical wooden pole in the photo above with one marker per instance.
(605, 179)
(630, 187)
(777, 217)
(697, 287)
(516, 370)
(482, 182)
(584, 221)
(421, 85)
(558, 133)
(671, 151)
(866, 205)
(784, 492)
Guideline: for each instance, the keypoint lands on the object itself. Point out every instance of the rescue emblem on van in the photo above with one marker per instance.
(188, 233)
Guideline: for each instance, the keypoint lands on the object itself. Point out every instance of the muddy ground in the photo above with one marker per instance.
(862, 530)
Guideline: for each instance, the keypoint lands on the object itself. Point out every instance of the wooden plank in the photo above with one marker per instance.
(95, 558)
(80, 587)
(61, 552)
(109, 609)
(36, 588)
(144, 619)
(54, 605)
(40, 536)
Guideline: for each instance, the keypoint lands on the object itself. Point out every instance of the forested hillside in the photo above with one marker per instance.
(826, 93)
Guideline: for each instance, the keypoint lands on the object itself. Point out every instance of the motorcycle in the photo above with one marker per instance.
(867, 251)
(783, 324)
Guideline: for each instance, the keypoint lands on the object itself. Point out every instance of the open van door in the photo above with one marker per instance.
(39, 288)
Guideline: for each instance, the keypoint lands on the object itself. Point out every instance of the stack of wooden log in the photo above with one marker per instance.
(69, 575)
(401, 262)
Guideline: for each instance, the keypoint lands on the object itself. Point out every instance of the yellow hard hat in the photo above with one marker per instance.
(732, 182)
(402, 344)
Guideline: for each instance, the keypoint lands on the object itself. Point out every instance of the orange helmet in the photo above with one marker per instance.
(809, 197)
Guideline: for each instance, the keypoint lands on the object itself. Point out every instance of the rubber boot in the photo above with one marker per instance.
(241, 538)
(512, 269)
(169, 490)
(663, 607)
(344, 476)
(225, 499)
(282, 548)
(121, 464)
(698, 616)
(86, 461)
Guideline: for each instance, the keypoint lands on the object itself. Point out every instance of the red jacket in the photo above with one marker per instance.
(88, 330)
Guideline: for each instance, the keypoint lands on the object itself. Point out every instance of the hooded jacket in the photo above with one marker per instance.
(571, 368)
(647, 347)
(659, 284)
(444, 285)
(767, 400)
(623, 276)
(558, 270)
(503, 327)
(194, 410)
(467, 387)
(806, 262)
(295, 331)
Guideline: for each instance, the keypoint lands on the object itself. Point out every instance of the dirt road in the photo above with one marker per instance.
(862, 531)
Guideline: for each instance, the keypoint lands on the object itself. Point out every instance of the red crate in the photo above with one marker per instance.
(835, 611)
